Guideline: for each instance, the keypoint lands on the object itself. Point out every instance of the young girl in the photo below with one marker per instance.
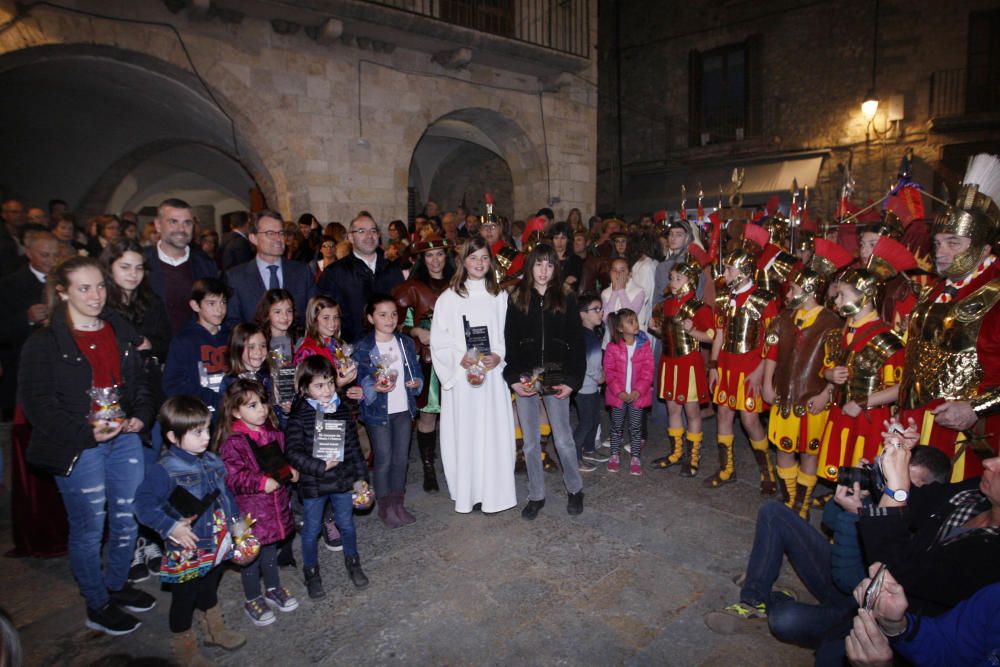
(196, 540)
(276, 316)
(545, 333)
(628, 369)
(247, 357)
(334, 479)
(389, 404)
(246, 430)
(684, 323)
(477, 424)
(323, 333)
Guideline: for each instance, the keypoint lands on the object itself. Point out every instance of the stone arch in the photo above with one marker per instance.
(489, 131)
(96, 109)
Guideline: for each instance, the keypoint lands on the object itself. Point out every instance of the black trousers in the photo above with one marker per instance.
(198, 593)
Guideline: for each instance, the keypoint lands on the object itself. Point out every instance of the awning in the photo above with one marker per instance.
(654, 190)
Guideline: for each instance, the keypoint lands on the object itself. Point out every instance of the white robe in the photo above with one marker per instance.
(477, 424)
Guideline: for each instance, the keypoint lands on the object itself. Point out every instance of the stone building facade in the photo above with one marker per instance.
(326, 106)
(808, 67)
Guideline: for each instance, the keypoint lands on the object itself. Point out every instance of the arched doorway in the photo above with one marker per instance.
(78, 121)
(468, 152)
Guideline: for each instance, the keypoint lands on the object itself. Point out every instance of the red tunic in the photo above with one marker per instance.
(849, 439)
(679, 374)
(732, 389)
(968, 465)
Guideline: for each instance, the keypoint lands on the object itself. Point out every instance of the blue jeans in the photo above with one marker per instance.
(562, 433)
(104, 479)
(589, 408)
(391, 443)
(312, 523)
(780, 532)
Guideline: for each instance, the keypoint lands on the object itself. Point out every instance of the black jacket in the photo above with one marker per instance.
(202, 266)
(53, 381)
(314, 479)
(545, 339)
(935, 576)
(351, 283)
(236, 250)
(18, 292)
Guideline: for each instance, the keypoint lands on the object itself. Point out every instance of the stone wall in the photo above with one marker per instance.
(815, 69)
(296, 107)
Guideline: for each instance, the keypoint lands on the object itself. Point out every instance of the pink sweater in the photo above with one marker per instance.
(615, 360)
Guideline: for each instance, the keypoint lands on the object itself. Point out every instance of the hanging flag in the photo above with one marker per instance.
(716, 237)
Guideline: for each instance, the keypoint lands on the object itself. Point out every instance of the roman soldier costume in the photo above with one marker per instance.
(953, 347)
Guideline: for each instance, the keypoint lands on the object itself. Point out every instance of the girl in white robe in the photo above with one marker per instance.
(477, 426)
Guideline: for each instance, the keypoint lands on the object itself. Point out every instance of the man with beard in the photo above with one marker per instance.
(951, 376)
(173, 264)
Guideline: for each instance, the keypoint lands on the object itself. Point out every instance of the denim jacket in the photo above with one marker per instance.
(200, 475)
(375, 405)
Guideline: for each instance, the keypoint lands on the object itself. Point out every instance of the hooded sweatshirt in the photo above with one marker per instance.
(195, 345)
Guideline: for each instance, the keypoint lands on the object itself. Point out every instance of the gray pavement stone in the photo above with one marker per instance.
(625, 583)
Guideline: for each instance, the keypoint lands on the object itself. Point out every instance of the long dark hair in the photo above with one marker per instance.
(58, 281)
(474, 244)
(262, 316)
(134, 309)
(554, 299)
(420, 272)
(238, 394)
(238, 339)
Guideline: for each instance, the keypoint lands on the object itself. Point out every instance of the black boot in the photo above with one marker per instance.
(314, 583)
(354, 571)
(426, 443)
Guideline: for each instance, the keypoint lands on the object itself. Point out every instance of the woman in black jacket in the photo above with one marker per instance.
(334, 479)
(97, 459)
(544, 333)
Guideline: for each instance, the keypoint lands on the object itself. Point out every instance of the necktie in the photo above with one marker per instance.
(272, 282)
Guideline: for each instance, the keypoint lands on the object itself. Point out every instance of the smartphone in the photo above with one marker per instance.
(874, 588)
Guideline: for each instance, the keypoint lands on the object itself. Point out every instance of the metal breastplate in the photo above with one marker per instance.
(745, 324)
(864, 366)
(941, 357)
(676, 341)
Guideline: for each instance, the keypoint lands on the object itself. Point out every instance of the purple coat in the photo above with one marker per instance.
(272, 511)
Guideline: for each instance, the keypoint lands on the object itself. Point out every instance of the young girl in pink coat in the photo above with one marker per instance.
(628, 371)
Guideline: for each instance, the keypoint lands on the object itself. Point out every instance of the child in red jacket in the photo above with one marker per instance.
(256, 472)
(628, 370)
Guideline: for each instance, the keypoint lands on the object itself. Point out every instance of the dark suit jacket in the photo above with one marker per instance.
(18, 291)
(202, 266)
(248, 288)
(351, 283)
(236, 250)
(10, 259)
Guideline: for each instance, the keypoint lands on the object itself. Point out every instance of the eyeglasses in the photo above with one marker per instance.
(328, 245)
(595, 309)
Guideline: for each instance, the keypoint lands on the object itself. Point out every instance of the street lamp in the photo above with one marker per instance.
(869, 106)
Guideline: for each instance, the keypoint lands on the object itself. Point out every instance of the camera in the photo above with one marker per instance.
(868, 476)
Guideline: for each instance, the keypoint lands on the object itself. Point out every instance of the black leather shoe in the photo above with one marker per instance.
(530, 510)
(574, 505)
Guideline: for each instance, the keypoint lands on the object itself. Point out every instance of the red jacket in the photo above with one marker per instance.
(272, 511)
(615, 360)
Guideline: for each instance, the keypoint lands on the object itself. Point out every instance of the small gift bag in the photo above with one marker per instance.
(362, 497)
(246, 547)
(476, 373)
(106, 407)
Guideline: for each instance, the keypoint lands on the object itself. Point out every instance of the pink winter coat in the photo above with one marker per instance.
(272, 511)
(615, 358)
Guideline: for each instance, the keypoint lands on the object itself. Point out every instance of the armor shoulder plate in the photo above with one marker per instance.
(759, 299)
(689, 309)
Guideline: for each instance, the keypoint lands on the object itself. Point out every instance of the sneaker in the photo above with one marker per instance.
(331, 537)
(574, 504)
(636, 466)
(258, 613)
(132, 599)
(111, 620)
(138, 570)
(613, 463)
(280, 599)
(738, 618)
(594, 457)
(586, 466)
(154, 557)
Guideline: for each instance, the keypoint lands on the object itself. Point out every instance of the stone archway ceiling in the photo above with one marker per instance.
(65, 121)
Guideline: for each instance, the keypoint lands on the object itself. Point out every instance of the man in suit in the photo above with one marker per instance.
(352, 280)
(22, 302)
(173, 265)
(268, 270)
(11, 250)
(236, 247)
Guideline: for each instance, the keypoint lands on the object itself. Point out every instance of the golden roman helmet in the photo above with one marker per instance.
(502, 261)
(865, 283)
(890, 225)
(742, 260)
(975, 214)
(777, 231)
(810, 281)
(805, 240)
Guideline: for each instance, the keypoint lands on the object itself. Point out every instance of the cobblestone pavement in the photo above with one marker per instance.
(627, 582)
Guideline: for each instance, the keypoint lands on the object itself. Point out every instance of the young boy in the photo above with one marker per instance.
(589, 399)
(195, 541)
(196, 359)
